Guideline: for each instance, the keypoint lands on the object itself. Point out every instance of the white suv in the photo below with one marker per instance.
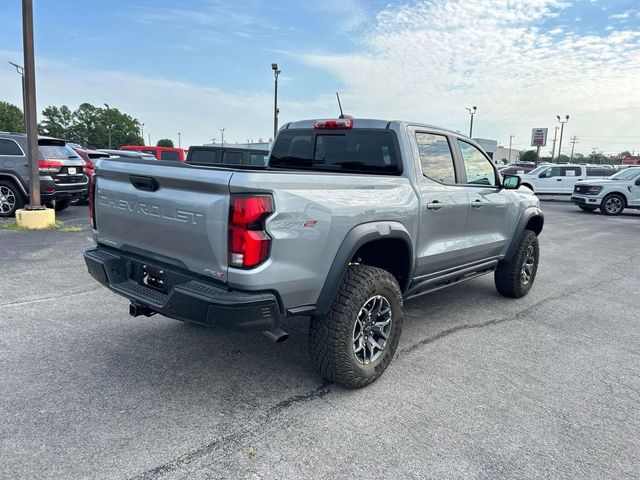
(561, 178)
(612, 195)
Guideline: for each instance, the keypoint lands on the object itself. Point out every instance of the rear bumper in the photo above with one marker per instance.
(586, 200)
(52, 190)
(189, 298)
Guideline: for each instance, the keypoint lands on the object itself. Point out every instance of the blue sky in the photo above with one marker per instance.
(195, 66)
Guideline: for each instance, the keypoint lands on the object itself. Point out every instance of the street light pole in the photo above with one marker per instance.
(108, 123)
(276, 111)
(510, 139)
(20, 71)
(561, 132)
(142, 132)
(30, 105)
(222, 133)
(472, 112)
(179, 144)
(555, 138)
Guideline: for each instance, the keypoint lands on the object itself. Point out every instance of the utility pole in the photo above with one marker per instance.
(472, 112)
(574, 140)
(108, 123)
(276, 111)
(561, 132)
(222, 132)
(142, 132)
(20, 70)
(179, 144)
(30, 105)
(510, 139)
(149, 133)
(555, 137)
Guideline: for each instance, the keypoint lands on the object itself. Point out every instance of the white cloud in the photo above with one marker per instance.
(620, 16)
(165, 106)
(429, 60)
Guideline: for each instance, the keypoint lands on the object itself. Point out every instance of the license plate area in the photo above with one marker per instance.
(71, 170)
(153, 277)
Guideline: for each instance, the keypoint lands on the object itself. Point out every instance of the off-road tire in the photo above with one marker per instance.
(509, 275)
(13, 199)
(588, 209)
(612, 198)
(331, 343)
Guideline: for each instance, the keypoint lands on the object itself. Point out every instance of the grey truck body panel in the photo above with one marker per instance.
(320, 220)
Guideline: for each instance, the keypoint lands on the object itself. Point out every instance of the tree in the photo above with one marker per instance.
(11, 118)
(165, 142)
(57, 121)
(529, 156)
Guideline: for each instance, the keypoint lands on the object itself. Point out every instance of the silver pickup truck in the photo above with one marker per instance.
(350, 218)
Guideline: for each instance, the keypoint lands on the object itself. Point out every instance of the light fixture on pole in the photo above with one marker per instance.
(222, 133)
(276, 111)
(108, 123)
(562, 122)
(20, 70)
(472, 112)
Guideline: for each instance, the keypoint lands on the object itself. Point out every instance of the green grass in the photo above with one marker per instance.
(251, 453)
(52, 226)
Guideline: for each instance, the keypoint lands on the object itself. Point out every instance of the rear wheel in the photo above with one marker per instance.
(515, 277)
(10, 199)
(587, 209)
(355, 341)
(612, 204)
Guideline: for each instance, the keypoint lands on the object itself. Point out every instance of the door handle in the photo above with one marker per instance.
(435, 205)
(148, 184)
(558, 179)
(477, 203)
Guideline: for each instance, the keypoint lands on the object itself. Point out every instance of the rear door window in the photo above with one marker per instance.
(436, 158)
(233, 158)
(570, 171)
(258, 159)
(203, 157)
(10, 147)
(170, 156)
(353, 151)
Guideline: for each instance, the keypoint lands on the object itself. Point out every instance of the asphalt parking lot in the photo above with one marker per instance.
(481, 387)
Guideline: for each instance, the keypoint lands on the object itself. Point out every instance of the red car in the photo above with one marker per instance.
(161, 153)
(89, 157)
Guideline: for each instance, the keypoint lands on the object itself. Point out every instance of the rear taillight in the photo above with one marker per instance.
(92, 201)
(49, 166)
(339, 124)
(248, 241)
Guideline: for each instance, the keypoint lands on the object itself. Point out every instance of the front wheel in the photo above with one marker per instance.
(612, 204)
(355, 341)
(515, 277)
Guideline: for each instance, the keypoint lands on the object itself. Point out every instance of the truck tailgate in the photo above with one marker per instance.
(165, 212)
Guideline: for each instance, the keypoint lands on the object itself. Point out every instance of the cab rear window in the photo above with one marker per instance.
(353, 151)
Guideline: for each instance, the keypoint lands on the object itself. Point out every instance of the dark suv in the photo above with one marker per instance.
(62, 176)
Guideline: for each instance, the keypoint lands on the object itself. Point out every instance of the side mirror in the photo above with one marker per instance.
(511, 182)
(638, 181)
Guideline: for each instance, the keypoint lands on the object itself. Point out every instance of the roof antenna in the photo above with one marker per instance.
(339, 105)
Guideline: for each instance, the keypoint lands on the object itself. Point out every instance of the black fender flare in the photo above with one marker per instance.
(356, 238)
(526, 216)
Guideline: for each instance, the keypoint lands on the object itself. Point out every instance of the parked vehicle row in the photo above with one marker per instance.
(611, 195)
(170, 154)
(559, 179)
(349, 219)
(62, 175)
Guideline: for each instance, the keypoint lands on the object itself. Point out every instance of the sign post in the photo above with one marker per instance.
(538, 139)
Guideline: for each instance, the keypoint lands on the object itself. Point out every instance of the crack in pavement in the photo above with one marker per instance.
(261, 420)
(509, 318)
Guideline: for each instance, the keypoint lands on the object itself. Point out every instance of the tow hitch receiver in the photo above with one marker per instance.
(135, 310)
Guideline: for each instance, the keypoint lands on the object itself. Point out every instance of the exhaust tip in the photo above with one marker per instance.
(277, 335)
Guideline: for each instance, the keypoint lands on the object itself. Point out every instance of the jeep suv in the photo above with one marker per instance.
(62, 175)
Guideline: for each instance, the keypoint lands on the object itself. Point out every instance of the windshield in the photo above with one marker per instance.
(626, 174)
(537, 170)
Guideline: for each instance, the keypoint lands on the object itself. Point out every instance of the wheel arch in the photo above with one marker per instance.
(622, 193)
(16, 181)
(531, 219)
(364, 244)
